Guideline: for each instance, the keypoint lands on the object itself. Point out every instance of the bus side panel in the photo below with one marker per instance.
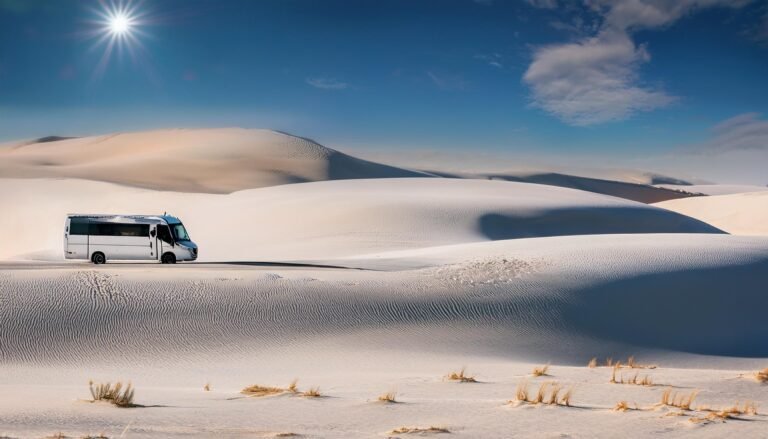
(122, 247)
(77, 247)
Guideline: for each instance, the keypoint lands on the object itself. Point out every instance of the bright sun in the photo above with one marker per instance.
(119, 24)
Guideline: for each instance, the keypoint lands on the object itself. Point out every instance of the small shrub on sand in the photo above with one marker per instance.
(749, 408)
(548, 393)
(521, 394)
(635, 380)
(461, 376)
(608, 362)
(207, 387)
(621, 406)
(673, 399)
(259, 391)
(592, 363)
(419, 430)
(762, 375)
(541, 371)
(116, 395)
(388, 397)
(631, 363)
(313, 392)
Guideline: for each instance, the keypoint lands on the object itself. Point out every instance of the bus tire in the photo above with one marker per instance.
(168, 258)
(98, 258)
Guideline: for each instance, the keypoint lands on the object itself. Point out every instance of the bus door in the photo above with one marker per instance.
(164, 240)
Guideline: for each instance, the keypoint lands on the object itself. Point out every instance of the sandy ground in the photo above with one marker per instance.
(400, 321)
(362, 279)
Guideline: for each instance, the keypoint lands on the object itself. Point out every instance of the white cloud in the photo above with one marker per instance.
(595, 79)
(746, 131)
(327, 83)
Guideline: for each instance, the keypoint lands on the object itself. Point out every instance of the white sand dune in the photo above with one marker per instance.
(189, 160)
(440, 273)
(333, 218)
(738, 213)
(716, 189)
(232, 159)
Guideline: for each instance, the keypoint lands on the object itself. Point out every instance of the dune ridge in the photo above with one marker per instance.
(736, 213)
(189, 160)
(321, 220)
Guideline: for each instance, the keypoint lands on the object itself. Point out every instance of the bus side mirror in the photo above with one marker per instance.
(152, 233)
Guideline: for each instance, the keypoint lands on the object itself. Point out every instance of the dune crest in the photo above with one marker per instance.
(189, 160)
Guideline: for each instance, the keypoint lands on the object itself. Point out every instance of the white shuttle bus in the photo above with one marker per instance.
(100, 238)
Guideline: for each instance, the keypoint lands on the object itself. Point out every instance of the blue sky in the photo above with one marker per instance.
(622, 78)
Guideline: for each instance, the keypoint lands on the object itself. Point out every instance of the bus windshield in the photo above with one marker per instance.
(179, 232)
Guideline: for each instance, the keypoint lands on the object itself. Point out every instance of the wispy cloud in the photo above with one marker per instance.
(448, 82)
(327, 83)
(492, 59)
(595, 79)
(544, 4)
(748, 131)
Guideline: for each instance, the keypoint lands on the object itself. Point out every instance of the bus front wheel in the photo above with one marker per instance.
(168, 258)
(98, 258)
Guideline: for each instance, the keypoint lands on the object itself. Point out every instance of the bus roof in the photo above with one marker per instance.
(132, 219)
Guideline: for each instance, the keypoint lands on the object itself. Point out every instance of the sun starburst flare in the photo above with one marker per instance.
(117, 28)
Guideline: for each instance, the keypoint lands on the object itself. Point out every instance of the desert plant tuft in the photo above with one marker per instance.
(673, 399)
(541, 371)
(259, 391)
(293, 387)
(388, 397)
(461, 376)
(548, 393)
(419, 430)
(117, 395)
(592, 363)
(207, 387)
(313, 392)
(521, 394)
(762, 375)
(621, 406)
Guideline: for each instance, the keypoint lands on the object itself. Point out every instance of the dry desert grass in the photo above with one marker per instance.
(630, 363)
(419, 430)
(673, 399)
(635, 380)
(259, 391)
(313, 392)
(541, 371)
(114, 394)
(623, 406)
(549, 393)
(389, 397)
(762, 375)
(592, 363)
(461, 376)
(207, 387)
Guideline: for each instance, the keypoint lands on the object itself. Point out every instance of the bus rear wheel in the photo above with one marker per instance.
(99, 258)
(168, 258)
